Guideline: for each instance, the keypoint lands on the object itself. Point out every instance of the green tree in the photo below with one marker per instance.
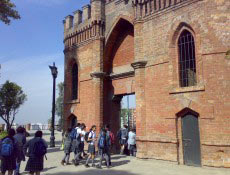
(11, 98)
(7, 11)
(59, 105)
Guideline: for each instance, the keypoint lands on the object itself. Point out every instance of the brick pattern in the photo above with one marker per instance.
(160, 101)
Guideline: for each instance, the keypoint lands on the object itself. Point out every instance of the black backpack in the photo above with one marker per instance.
(39, 148)
(87, 137)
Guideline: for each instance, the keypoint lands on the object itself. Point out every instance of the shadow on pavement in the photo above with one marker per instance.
(50, 168)
(94, 172)
(56, 149)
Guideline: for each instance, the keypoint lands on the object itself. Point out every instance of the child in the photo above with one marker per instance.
(91, 149)
(132, 142)
(37, 148)
(67, 147)
(8, 158)
(103, 146)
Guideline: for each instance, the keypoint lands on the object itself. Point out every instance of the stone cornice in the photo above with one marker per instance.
(121, 75)
(98, 75)
(139, 64)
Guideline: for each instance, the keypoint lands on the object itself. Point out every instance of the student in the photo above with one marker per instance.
(67, 147)
(103, 146)
(75, 141)
(83, 127)
(123, 135)
(132, 142)
(9, 153)
(21, 140)
(35, 149)
(111, 141)
(79, 146)
(91, 148)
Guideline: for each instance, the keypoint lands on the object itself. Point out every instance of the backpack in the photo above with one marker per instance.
(119, 135)
(39, 149)
(75, 135)
(102, 142)
(87, 137)
(7, 147)
(111, 135)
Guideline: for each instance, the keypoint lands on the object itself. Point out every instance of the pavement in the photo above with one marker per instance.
(121, 165)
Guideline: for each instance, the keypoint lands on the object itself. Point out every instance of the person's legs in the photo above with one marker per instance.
(17, 170)
(63, 160)
(93, 157)
(10, 172)
(101, 159)
(38, 173)
(109, 155)
(107, 159)
(87, 161)
(31, 173)
(67, 158)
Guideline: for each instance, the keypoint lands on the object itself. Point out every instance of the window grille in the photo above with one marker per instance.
(187, 60)
(75, 82)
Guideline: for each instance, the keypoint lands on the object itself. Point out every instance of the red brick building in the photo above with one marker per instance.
(173, 54)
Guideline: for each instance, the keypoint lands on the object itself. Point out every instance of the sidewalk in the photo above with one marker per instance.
(121, 165)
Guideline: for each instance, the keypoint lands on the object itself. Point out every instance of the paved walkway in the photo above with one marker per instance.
(122, 165)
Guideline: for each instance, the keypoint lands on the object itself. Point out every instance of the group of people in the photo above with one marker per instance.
(14, 148)
(76, 137)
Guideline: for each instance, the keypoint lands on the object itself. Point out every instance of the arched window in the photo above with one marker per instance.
(75, 82)
(187, 59)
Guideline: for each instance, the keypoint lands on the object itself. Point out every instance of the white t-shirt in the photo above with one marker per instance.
(92, 135)
(82, 135)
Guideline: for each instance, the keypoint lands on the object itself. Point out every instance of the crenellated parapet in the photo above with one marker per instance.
(147, 8)
(86, 24)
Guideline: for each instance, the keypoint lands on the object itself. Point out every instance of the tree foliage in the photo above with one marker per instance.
(7, 11)
(11, 98)
(59, 104)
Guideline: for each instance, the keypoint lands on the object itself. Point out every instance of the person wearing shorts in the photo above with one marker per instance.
(91, 148)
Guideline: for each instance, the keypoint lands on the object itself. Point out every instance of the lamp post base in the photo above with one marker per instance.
(52, 141)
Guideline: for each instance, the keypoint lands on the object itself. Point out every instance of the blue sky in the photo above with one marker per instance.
(28, 46)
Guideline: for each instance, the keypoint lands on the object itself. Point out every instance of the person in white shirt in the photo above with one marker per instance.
(80, 147)
(132, 142)
(91, 148)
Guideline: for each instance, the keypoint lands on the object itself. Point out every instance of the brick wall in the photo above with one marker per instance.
(147, 35)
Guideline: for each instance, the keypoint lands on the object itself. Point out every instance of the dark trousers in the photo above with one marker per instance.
(103, 155)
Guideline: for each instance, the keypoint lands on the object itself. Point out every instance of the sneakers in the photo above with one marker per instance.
(86, 165)
(93, 165)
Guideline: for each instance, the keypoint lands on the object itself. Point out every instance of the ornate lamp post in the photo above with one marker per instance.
(54, 73)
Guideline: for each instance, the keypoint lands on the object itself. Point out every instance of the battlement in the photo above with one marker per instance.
(85, 23)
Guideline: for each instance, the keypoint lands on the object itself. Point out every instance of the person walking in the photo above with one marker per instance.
(103, 147)
(91, 149)
(67, 147)
(123, 136)
(21, 140)
(8, 153)
(110, 140)
(35, 149)
(78, 144)
(132, 142)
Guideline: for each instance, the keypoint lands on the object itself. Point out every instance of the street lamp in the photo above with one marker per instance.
(54, 73)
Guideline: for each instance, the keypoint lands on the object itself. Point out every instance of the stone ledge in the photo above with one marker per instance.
(187, 89)
(121, 75)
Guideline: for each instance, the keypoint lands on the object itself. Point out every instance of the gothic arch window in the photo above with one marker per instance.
(75, 82)
(187, 59)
